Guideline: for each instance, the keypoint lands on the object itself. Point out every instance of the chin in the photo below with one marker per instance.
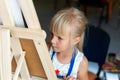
(55, 49)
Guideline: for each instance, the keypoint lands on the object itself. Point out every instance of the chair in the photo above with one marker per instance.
(103, 4)
(95, 46)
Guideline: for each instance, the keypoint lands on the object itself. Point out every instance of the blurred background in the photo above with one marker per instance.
(47, 8)
(109, 23)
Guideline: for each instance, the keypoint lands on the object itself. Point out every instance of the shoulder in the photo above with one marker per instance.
(83, 63)
(83, 59)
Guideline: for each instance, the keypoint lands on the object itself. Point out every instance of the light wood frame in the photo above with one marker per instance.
(28, 46)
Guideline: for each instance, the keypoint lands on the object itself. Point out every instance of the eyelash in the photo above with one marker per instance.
(60, 38)
(53, 35)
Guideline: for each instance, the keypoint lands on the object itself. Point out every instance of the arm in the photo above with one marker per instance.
(83, 70)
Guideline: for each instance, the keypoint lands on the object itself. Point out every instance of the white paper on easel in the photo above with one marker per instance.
(16, 13)
(112, 76)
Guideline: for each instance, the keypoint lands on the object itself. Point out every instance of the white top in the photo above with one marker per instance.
(63, 68)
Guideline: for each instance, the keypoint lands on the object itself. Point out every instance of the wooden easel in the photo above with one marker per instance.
(26, 53)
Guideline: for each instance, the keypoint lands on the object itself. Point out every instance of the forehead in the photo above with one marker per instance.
(63, 29)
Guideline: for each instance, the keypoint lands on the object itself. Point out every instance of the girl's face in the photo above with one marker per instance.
(61, 43)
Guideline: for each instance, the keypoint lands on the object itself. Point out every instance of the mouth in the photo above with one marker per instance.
(54, 47)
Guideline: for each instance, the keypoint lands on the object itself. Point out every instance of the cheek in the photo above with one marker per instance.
(66, 44)
(61, 44)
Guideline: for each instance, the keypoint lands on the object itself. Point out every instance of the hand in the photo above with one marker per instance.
(69, 78)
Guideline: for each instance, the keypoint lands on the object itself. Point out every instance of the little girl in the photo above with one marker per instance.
(66, 29)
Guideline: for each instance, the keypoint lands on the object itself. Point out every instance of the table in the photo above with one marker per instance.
(108, 75)
(111, 71)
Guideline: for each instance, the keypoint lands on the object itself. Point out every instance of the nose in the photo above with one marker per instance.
(54, 40)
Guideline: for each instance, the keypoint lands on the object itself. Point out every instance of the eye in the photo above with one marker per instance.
(60, 38)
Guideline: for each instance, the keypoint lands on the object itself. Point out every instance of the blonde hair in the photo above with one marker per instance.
(69, 18)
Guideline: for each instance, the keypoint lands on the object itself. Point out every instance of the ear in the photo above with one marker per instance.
(76, 40)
